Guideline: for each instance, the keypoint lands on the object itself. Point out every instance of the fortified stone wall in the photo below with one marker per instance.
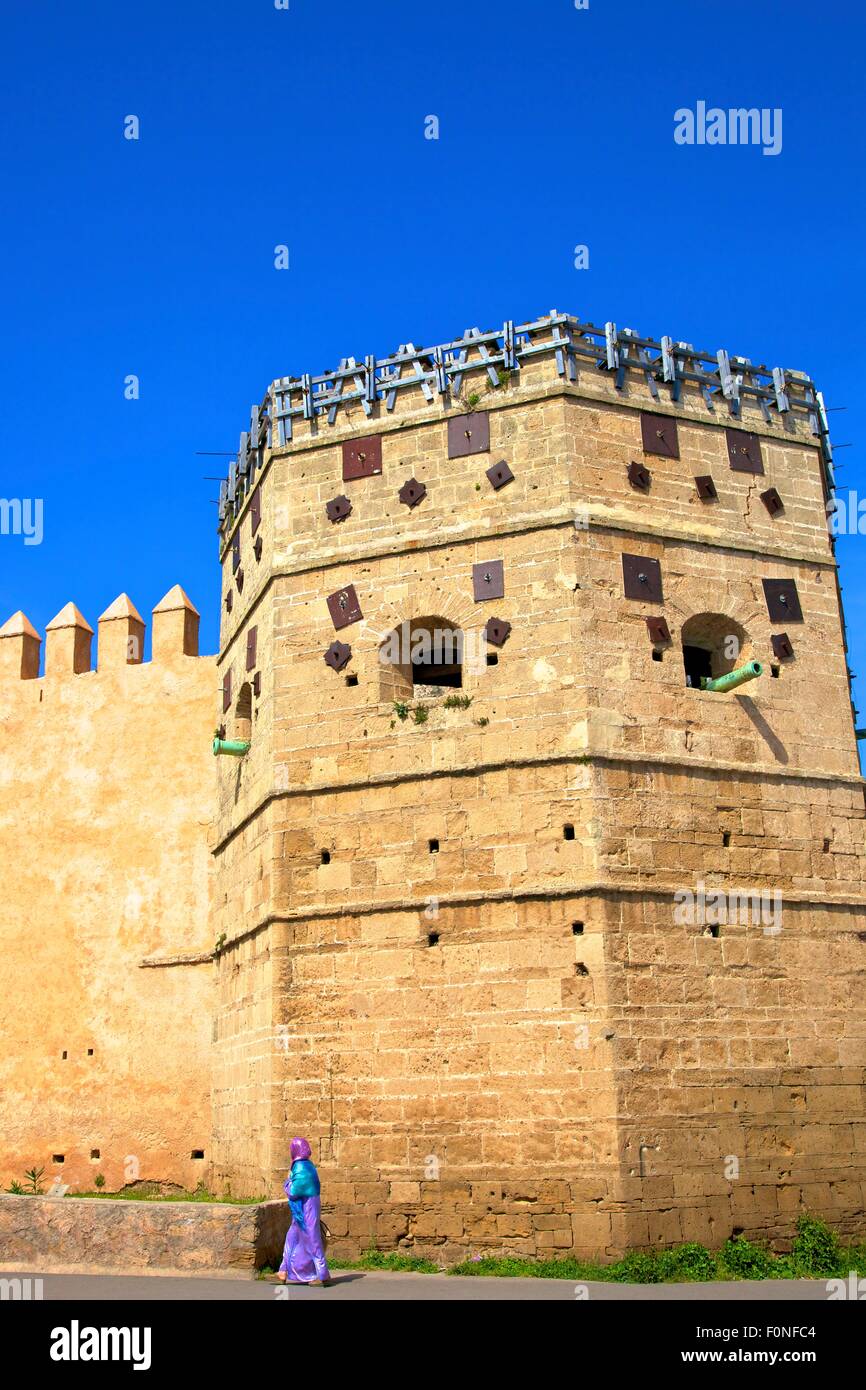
(479, 1002)
(464, 937)
(105, 941)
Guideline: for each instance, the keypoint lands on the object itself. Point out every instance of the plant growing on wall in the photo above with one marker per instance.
(33, 1177)
(473, 399)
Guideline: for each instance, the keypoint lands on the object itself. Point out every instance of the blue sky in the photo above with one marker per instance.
(305, 126)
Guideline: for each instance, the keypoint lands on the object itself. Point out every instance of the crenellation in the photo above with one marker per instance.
(20, 646)
(121, 635)
(175, 626)
(68, 639)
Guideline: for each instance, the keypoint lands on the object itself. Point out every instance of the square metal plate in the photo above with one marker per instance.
(639, 477)
(412, 492)
(338, 655)
(642, 578)
(782, 646)
(706, 488)
(362, 458)
(499, 475)
(469, 434)
(496, 631)
(344, 607)
(659, 435)
(488, 580)
(783, 601)
(744, 451)
(658, 630)
(338, 508)
(772, 501)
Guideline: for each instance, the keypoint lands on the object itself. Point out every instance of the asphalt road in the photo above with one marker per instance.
(382, 1287)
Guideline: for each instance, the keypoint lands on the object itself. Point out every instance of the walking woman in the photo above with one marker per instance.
(304, 1256)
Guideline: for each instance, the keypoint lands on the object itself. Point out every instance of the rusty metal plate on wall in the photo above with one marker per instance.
(344, 607)
(412, 492)
(338, 508)
(227, 691)
(772, 501)
(706, 488)
(499, 475)
(659, 435)
(658, 630)
(744, 451)
(488, 580)
(783, 601)
(239, 580)
(362, 458)
(257, 684)
(236, 551)
(252, 642)
(782, 646)
(338, 655)
(258, 547)
(469, 434)
(230, 599)
(642, 578)
(496, 631)
(639, 477)
(256, 510)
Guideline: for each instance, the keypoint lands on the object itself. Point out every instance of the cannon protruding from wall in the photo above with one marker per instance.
(733, 679)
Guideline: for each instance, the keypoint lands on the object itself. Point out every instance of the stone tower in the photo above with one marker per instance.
(544, 946)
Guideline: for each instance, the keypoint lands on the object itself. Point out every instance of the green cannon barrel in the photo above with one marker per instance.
(749, 672)
(232, 748)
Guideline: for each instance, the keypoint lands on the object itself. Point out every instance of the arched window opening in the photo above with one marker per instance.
(713, 645)
(242, 725)
(421, 657)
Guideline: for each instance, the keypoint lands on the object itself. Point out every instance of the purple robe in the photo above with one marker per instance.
(303, 1256)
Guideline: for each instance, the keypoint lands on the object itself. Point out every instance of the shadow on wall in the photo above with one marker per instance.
(773, 742)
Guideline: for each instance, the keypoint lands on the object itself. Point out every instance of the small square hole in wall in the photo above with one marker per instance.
(197, 1153)
(90, 1052)
(351, 680)
(657, 655)
(94, 1154)
(492, 658)
(826, 846)
(711, 930)
(568, 832)
(434, 846)
(58, 1158)
(64, 1055)
(577, 929)
(726, 839)
(774, 672)
(433, 938)
(326, 856)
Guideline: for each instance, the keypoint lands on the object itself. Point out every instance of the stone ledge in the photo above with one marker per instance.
(60, 1235)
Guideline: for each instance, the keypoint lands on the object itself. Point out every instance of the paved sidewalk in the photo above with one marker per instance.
(379, 1286)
